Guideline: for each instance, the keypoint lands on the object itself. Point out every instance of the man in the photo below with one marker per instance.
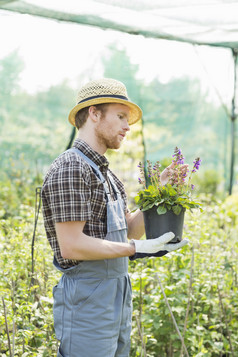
(87, 224)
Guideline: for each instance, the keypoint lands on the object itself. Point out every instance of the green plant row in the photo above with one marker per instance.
(201, 285)
(200, 282)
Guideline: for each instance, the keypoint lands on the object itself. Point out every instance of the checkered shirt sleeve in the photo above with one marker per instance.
(72, 192)
(68, 193)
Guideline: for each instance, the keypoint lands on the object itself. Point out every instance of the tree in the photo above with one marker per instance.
(11, 67)
(10, 70)
(118, 65)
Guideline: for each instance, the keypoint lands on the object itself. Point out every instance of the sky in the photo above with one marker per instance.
(53, 51)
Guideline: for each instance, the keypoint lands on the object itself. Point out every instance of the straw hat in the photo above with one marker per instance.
(102, 91)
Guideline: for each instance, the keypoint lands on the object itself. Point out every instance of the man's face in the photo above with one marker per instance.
(113, 126)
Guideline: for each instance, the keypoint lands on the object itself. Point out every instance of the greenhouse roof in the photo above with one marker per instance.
(202, 22)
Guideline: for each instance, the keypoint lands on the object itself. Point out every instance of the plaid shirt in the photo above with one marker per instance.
(72, 192)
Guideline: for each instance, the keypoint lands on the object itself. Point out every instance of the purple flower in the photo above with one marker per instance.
(197, 163)
(177, 152)
(180, 161)
(179, 158)
(192, 187)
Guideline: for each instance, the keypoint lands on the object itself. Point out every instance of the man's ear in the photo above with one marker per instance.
(93, 113)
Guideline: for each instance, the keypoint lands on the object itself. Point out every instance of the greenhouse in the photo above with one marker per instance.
(178, 61)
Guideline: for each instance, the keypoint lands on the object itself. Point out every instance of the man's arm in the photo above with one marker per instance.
(74, 244)
(135, 222)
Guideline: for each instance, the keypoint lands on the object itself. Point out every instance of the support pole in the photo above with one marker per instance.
(72, 136)
(145, 152)
(233, 118)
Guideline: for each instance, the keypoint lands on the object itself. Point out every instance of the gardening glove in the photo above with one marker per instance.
(156, 247)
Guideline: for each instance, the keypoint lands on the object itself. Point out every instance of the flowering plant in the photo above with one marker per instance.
(176, 194)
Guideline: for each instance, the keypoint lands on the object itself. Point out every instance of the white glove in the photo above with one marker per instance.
(155, 245)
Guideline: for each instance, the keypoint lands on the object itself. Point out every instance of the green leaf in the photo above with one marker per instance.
(161, 210)
(177, 209)
(147, 206)
(172, 191)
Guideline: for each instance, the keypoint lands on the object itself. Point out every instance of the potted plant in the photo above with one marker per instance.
(164, 205)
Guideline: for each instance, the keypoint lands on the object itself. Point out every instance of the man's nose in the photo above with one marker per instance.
(126, 126)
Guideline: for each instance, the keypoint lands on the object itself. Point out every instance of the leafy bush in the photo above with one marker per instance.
(27, 298)
(17, 188)
(201, 286)
(208, 182)
(200, 282)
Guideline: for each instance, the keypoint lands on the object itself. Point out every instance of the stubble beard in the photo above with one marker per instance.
(109, 143)
(104, 139)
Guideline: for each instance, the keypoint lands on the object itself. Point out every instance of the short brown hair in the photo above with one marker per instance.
(82, 115)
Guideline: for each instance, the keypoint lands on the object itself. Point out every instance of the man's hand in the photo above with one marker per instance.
(156, 247)
(171, 247)
(152, 245)
(170, 174)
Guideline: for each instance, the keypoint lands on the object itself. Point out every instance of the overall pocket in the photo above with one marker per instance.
(86, 290)
(58, 310)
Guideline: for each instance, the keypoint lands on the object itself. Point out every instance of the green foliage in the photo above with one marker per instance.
(10, 69)
(17, 188)
(200, 282)
(27, 297)
(208, 182)
(36, 125)
(174, 193)
(117, 65)
(178, 112)
(165, 198)
(33, 125)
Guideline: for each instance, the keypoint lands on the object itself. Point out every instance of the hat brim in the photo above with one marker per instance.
(135, 110)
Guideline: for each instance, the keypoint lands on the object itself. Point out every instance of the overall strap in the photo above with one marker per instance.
(114, 186)
(95, 169)
(99, 174)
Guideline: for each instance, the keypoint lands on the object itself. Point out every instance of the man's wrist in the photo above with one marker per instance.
(132, 247)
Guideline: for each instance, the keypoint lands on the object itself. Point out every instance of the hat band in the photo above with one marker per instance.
(104, 96)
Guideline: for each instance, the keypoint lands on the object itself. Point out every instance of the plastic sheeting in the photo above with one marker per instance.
(213, 22)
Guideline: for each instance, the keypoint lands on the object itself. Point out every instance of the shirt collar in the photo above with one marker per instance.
(98, 159)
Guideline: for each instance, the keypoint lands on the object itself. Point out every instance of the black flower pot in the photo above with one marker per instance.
(156, 225)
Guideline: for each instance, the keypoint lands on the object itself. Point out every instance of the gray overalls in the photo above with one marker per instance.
(92, 302)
